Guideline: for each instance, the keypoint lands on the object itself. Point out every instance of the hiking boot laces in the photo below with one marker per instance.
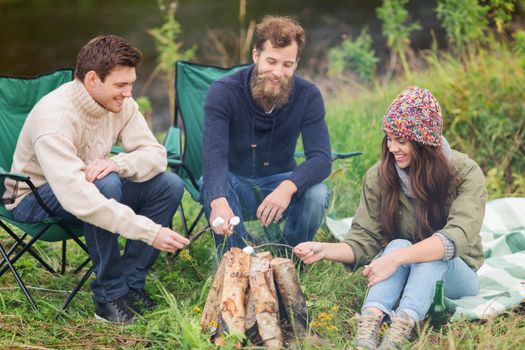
(123, 312)
(367, 328)
(142, 297)
(399, 332)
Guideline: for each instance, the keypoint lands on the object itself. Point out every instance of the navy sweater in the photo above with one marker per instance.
(240, 138)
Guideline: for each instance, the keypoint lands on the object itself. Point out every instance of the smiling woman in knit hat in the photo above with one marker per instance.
(421, 211)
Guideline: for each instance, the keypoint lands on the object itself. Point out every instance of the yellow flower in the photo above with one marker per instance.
(196, 310)
(382, 330)
(335, 307)
(185, 255)
(324, 316)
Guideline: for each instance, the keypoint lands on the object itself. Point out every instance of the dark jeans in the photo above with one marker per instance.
(303, 215)
(156, 199)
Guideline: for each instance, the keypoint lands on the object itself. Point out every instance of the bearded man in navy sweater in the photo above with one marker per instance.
(253, 119)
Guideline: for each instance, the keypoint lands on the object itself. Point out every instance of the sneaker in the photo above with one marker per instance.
(141, 297)
(399, 332)
(367, 327)
(117, 311)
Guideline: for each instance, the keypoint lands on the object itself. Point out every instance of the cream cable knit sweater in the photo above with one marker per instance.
(65, 131)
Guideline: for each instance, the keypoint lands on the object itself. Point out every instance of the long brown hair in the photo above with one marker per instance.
(430, 175)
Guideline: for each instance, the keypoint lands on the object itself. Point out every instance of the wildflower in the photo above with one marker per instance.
(331, 328)
(382, 329)
(323, 316)
(185, 255)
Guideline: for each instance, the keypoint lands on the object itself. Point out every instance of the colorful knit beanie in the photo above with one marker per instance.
(415, 115)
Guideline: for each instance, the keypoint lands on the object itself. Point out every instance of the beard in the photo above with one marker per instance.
(269, 96)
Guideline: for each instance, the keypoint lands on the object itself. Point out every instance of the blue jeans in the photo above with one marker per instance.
(303, 215)
(415, 283)
(156, 199)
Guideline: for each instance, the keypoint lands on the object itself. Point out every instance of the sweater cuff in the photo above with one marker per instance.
(299, 182)
(450, 248)
(121, 165)
(150, 235)
(359, 255)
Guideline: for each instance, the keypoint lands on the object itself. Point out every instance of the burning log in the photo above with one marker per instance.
(210, 313)
(291, 294)
(266, 305)
(251, 319)
(234, 290)
(245, 295)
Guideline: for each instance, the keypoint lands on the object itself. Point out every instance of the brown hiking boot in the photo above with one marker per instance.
(399, 332)
(367, 327)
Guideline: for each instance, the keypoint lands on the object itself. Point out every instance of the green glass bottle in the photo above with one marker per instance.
(437, 309)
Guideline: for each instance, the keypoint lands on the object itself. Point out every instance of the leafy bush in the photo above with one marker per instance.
(483, 104)
(169, 49)
(463, 20)
(501, 12)
(354, 55)
(397, 31)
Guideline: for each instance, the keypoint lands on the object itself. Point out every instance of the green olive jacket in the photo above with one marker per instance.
(465, 208)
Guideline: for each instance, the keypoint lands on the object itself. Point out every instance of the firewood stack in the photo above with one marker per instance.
(245, 296)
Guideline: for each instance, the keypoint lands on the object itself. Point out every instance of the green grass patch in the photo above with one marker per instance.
(483, 102)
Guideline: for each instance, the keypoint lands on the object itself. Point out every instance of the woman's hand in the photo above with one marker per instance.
(380, 269)
(310, 252)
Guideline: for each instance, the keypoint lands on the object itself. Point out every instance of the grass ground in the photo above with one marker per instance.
(487, 99)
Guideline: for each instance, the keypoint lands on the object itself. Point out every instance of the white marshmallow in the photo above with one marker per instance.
(248, 249)
(217, 222)
(235, 221)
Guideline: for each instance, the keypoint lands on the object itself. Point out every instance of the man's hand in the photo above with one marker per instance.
(221, 208)
(99, 168)
(310, 252)
(169, 241)
(380, 269)
(273, 206)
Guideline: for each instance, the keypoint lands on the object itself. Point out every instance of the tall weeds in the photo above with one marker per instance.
(482, 100)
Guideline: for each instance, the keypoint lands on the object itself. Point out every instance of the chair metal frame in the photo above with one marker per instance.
(56, 228)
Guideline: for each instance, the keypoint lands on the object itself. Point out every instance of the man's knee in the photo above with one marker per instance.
(173, 185)
(317, 195)
(110, 186)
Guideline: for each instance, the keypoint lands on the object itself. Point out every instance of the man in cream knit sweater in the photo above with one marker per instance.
(64, 147)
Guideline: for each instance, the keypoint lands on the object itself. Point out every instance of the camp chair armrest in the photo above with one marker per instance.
(338, 155)
(174, 163)
(27, 180)
(172, 144)
(13, 176)
(117, 149)
(334, 155)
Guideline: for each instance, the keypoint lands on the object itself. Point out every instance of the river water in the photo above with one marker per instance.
(39, 36)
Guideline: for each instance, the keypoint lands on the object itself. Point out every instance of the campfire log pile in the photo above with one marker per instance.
(246, 296)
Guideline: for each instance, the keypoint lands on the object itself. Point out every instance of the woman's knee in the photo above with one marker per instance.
(437, 268)
(398, 244)
(110, 186)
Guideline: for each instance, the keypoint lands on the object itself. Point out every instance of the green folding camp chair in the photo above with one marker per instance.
(192, 82)
(17, 98)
